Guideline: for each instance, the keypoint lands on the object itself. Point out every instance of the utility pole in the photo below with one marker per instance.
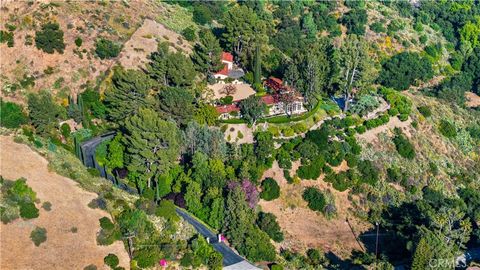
(376, 248)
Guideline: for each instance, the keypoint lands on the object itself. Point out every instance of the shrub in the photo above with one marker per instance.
(361, 129)
(7, 37)
(403, 117)
(315, 257)
(377, 27)
(12, 115)
(90, 267)
(311, 170)
(276, 267)
(474, 131)
(270, 189)
(166, 209)
(425, 111)
(288, 132)
(106, 224)
(299, 128)
(47, 206)
(423, 39)
(78, 41)
(8, 213)
(65, 129)
(397, 100)
(352, 160)
(315, 198)
(38, 235)
(28, 210)
(341, 181)
(350, 132)
(106, 49)
(393, 112)
(286, 174)
(369, 173)
(447, 129)
(50, 38)
(202, 14)
(274, 130)
(284, 159)
(239, 134)
(111, 260)
(93, 172)
(403, 145)
(189, 34)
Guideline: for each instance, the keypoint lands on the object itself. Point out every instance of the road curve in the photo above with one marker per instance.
(88, 158)
(231, 260)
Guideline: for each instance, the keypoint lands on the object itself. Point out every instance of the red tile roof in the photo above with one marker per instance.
(227, 57)
(223, 71)
(227, 108)
(268, 99)
(277, 80)
(275, 84)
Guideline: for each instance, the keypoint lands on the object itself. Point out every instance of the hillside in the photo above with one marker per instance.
(27, 69)
(71, 225)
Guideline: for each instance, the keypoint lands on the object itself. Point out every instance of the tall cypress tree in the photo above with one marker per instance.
(257, 70)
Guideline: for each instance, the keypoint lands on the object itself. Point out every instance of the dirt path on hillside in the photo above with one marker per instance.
(371, 135)
(63, 248)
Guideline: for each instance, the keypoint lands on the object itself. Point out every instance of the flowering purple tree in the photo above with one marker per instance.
(250, 190)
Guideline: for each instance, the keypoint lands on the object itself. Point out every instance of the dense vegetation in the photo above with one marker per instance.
(170, 149)
(18, 199)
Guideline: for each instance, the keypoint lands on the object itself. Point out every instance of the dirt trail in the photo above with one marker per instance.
(63, 249)
(371, 135)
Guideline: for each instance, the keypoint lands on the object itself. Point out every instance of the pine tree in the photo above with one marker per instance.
(170, 69)
(44, 112)
(152, 145)
(207, 53)
(128, 92)
(430, 248)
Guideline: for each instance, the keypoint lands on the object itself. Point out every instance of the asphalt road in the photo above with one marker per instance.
(229, 256)
(88, 158)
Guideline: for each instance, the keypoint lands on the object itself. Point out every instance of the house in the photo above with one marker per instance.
(281, 100)
(229, 69)
(284, 100)
(227, 111)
